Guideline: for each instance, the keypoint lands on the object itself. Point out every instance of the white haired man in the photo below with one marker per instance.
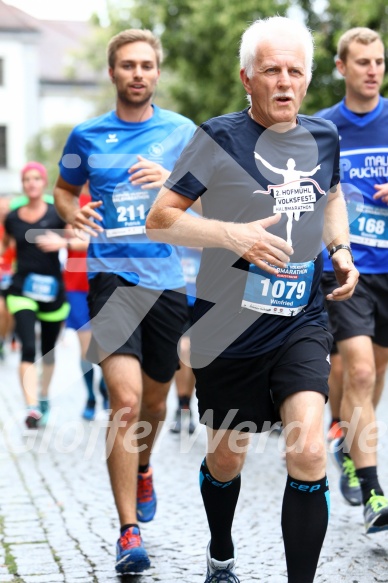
(260, 345)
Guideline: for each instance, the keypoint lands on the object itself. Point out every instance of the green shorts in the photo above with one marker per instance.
(18, 303)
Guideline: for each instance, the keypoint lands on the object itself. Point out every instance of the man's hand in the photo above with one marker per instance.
(82, 220)
(382, 192)
(252, 242)
(148, 174)
(346, 274)
(50, 242)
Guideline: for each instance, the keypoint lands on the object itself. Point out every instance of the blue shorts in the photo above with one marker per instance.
(79, 310)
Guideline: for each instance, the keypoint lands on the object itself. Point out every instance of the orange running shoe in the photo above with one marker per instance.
(334, 432)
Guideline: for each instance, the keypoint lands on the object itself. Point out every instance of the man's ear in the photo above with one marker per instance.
(245, 81)
(341, 67)
(111, 75)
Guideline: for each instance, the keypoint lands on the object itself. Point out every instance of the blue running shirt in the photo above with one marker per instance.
(364, 163)
(101, 151)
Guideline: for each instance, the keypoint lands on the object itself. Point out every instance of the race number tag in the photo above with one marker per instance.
(42, 288)
(371, 225)
(127, 209)
(285, 294)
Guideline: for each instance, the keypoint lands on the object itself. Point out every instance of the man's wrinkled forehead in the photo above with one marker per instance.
(270, 51)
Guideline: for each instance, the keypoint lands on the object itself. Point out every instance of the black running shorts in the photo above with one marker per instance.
(129, 319)
(365, 313)
(246, 393)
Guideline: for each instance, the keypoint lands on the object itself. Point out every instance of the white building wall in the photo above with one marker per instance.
(65, 105)
(19, 102)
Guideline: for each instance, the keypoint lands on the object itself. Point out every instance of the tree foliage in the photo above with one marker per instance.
(200, 76)
(327, 87)
(201, 40)
(47, 148)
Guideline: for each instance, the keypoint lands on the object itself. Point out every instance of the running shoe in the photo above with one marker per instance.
(376, 513)
(146, 497)
(349, 483)
(44, 406)
(131, 556)
(90, 410)
(33, 418)
(334, 432)
(1, 350)
(220, 571)
(105, 404)
(181, 416)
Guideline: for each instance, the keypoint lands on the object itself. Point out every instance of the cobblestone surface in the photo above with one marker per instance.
(58, 522)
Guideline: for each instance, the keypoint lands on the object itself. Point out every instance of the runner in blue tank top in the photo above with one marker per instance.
(360, 325)
(137, 298)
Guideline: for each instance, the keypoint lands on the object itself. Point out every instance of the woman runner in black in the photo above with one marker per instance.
(36, 292)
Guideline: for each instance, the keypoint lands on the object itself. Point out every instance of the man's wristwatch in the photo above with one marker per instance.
(337, 248)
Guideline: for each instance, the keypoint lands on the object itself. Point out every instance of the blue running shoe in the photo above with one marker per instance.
(146, 497)
(90, 410)
(376, 513)
(44, 406)
(220, 571)
(349, 483)
(131, 556)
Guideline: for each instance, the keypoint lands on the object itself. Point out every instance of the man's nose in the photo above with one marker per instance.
(138, 71)
(284, 79)
(372, 69)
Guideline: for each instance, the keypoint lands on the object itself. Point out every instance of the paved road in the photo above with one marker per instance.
(58, 521)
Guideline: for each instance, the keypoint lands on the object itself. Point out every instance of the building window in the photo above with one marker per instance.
(1, 72)
(3, 147)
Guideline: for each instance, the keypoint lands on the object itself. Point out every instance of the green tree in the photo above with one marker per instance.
(327, 87)
(200, 40)
(201, 37)
(47, 148)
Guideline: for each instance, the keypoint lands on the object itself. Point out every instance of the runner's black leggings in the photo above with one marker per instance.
(25, 321)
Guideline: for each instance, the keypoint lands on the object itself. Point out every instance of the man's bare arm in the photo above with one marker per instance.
(382, 192)
(336, 232)
(167, 221)
(66, 197)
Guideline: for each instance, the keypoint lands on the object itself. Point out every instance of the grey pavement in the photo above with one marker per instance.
(58, 521)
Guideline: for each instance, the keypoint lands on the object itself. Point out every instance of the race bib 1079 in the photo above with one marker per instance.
(285, 294)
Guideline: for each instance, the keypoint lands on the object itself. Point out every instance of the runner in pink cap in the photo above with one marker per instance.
(35, 166)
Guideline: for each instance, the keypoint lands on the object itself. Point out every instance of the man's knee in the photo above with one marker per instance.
(224, 464)
(125, 408)
(307, 456)
(361, 380)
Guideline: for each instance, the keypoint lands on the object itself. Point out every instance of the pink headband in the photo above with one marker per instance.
(35, 166)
